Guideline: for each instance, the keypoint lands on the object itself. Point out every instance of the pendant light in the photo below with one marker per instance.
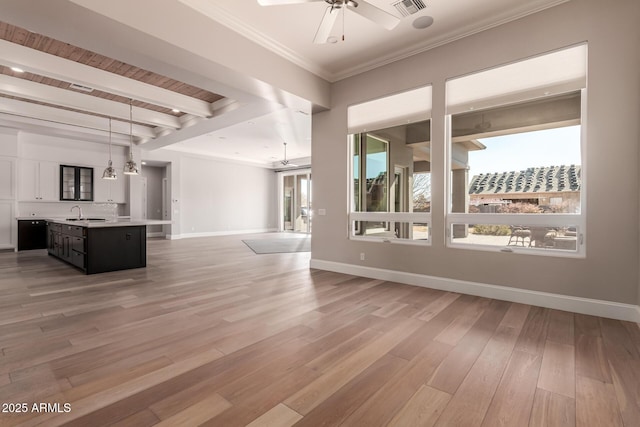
(109, 172)
(130, 167)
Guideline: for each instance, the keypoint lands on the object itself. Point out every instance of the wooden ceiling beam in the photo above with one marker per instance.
(45, 113)
(36, 62)
(78, 101)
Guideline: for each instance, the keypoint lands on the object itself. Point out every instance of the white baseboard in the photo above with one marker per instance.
(609, 309)
(219, 233)
(156, 234)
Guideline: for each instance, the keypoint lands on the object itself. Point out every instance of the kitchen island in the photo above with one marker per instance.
(98, 246)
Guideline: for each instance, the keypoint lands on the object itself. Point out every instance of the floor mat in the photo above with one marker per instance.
(274, 246)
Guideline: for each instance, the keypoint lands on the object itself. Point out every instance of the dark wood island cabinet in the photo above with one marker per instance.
(32, 234)
(98, 247)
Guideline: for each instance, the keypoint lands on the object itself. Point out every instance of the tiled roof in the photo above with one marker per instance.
(548, 179)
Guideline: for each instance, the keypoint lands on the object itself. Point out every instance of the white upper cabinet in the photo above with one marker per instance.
(7, 178)
(7, 202)
(109, 191)
(39, 181)
(118, 190)
(7, 224)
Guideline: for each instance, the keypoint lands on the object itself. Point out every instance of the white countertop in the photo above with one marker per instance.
(120, 222)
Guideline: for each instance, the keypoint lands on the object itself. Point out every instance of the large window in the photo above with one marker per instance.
(390, 141)
(516, 175)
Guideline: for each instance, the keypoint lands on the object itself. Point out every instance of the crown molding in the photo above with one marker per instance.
(447, 38)
(220, 15)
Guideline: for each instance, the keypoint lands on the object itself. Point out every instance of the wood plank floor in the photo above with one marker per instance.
(212, 334)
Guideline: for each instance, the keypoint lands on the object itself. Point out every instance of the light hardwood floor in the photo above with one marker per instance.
(212, 334)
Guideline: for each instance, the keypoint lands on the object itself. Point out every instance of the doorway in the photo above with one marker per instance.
(154, 188)
(295, 201)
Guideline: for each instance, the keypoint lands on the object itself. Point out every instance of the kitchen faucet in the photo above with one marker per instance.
(79, 211)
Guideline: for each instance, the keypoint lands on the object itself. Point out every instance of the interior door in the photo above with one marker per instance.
(296, 202)
(302, 204)
(288, 202)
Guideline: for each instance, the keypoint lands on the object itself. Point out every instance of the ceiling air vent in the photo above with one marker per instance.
(409, 7)
(80, 87)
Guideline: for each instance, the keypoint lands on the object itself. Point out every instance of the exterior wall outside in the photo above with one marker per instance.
(542, 198)
(612, 130)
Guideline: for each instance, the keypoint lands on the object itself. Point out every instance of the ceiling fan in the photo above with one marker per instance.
(361, 7)
(286, 162)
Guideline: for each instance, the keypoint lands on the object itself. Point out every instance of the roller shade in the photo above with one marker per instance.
(410, 106)
(550, 74)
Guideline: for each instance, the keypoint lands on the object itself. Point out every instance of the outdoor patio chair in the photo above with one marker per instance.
(543, 237)
(519, 236)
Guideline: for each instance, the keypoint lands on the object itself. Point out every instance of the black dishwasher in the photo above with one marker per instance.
(32, 234)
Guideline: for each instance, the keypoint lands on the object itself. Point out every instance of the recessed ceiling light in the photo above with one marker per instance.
(332, 40)
(17, 70)
(251, 123)
(144, 163)
(422, 22)
(175, 110)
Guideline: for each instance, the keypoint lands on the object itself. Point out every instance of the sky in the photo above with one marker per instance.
(552, 147)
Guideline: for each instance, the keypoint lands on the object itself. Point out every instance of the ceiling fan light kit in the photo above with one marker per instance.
(286, 162)
(361, 7)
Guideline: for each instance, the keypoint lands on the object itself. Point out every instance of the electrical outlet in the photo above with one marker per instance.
(361, 256)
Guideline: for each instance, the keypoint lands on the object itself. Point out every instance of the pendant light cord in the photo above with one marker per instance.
(344, 12)
(109, 140)
(131, 128)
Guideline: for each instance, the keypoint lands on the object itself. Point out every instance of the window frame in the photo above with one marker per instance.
(578, 220)
(387, 217)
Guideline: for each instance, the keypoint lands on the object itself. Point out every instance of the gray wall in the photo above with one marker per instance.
(213, 196)
(610, 270)
(222, 197)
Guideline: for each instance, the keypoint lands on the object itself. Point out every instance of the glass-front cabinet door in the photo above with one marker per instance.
(67, 183)
(76, 183)
(85, 183)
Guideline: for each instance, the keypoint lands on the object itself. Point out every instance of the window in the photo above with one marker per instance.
(516, 175)
(390, 142)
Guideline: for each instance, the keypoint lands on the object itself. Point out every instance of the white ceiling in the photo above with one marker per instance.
(255, 119)
(289, 29)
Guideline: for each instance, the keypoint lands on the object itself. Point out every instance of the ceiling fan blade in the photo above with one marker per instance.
(280, 2)
(326, 25)
(376, 15)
